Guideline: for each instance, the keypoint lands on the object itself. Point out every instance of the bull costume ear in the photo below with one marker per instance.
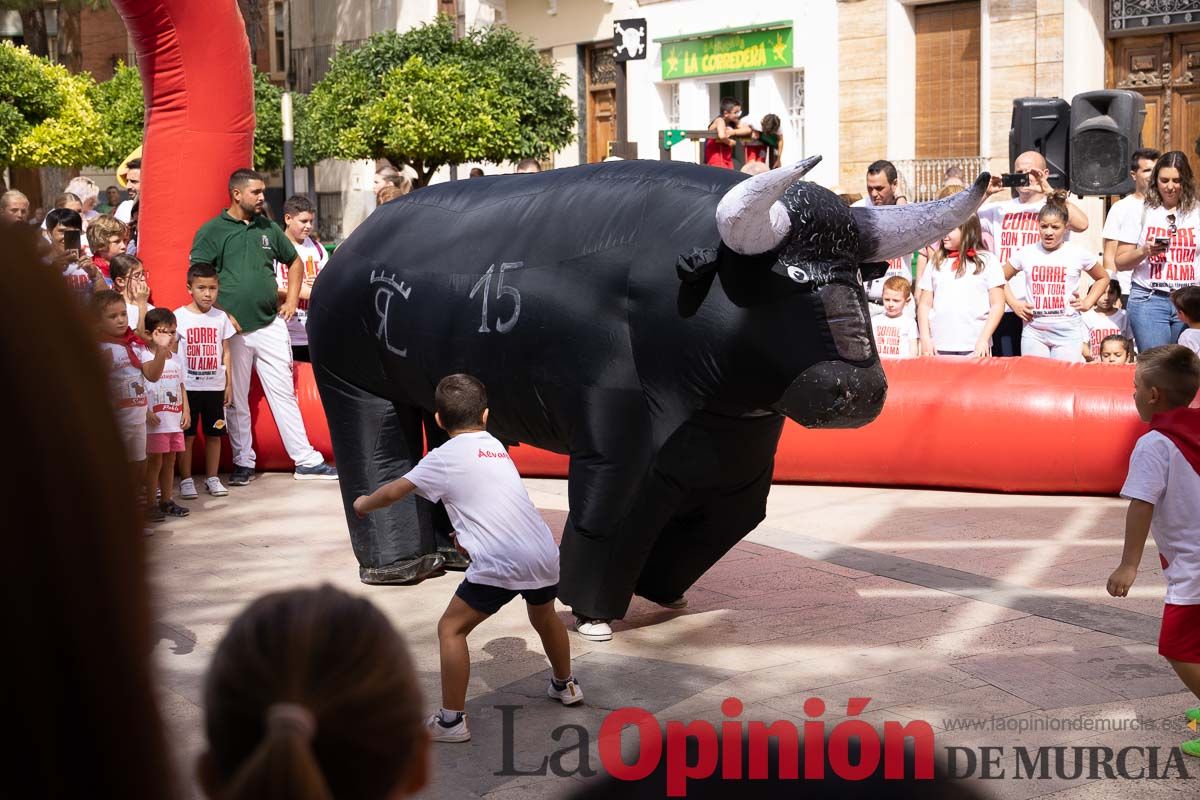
(751, 218)
(886, 232)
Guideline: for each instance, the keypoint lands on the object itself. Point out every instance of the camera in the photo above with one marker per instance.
(1012, 180)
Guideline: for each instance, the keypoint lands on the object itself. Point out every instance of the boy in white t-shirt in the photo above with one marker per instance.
(130, 365)
(497, 526)
(1104, 320)
(1163, 488)
(1187, 308)
(299, 218)
(895, 332)
(167, 415)
(1052, 305)
(204, 331)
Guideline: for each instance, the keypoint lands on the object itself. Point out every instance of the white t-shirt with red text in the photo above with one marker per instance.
(1160, 474)
(126, 384)
(1011, 226)
(202, 345)
(1100, 325)
(894, 336)
(1052, 280)
(1128, 207)
(960, 303)
(1176, 267)
(166, 397)
(496, 522)
(313, 256)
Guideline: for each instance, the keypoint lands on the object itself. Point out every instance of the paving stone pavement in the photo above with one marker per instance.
(983, 615)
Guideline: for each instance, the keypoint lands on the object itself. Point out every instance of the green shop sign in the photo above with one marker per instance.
(728, 52)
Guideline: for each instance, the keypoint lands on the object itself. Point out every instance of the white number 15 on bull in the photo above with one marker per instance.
(485, 283)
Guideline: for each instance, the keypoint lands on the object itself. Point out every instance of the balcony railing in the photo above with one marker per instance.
(923, 178)
(309, 64)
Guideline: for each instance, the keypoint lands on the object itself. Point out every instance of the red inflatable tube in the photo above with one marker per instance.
(1002, 424)
(195, 65)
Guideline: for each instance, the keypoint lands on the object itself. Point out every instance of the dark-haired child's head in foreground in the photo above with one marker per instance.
(312, 695)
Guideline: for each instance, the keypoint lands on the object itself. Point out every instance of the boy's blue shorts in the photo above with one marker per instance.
(490, 599)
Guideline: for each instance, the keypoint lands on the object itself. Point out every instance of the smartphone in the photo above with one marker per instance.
(71, 240)
(1162, 241)
(1012, 180)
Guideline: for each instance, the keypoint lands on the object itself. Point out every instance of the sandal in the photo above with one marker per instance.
(173, 509)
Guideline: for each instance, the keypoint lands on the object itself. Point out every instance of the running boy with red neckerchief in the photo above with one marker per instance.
(1163, 488)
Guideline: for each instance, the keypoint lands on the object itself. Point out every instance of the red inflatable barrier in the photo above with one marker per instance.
(1001, 424)
(195, 65)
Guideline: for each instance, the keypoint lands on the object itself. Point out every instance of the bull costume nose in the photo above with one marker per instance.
(834, 394)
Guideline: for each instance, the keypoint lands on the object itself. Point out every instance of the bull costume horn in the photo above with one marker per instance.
(750, 217)
(887, 232)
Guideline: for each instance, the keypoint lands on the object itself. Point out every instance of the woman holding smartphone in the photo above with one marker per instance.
(1159, 245)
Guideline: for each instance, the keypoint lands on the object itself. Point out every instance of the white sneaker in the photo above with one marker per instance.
(187, 489)
(594, 630)
(569, 695)
(440, 733)
(214, 487)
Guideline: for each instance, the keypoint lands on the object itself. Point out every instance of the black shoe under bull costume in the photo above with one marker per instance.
(656, 321)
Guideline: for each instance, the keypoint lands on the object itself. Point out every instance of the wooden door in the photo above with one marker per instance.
(601, 100)
(1165, 69)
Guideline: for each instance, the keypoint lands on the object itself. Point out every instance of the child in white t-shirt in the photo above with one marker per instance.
(1105, 320)
(129, 278)
(895, 332)
(497, 526)
(204, 333)
(962, 296)
(130, 365)
(299, 217)
(1052, 268)
(1187, 308)
(1163, 488)
(167, 415)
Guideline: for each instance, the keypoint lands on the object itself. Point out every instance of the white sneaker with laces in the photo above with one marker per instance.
(594, 630)
(215, 487)
(569, 695)
(187, 489)
(440, 733)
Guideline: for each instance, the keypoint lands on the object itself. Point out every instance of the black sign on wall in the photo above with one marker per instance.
(629, 39)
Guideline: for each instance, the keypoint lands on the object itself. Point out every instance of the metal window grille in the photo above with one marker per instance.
(796, 115)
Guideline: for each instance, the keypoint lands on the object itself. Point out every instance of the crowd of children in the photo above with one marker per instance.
(165, 395)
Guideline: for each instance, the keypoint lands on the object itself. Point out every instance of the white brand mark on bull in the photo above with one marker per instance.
(388, 288)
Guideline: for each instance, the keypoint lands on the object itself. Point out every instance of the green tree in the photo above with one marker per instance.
(425, 99)
(120, 103)
(46, 114)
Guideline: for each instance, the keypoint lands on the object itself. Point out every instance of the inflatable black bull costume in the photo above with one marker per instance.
(655, 321)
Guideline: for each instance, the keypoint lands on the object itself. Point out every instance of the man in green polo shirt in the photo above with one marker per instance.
(243, 246)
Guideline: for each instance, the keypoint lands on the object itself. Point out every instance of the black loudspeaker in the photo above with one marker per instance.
(1042, 124)
(1106, 127)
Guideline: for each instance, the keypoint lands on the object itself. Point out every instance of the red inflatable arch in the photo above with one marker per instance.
(1012, 425)
(195, 65)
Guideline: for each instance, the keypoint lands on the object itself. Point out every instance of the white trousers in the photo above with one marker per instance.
(268, 351)
(1065, 344)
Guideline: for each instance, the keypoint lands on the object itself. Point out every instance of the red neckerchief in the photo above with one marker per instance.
(1182, 427)
(127, 341)
(954, 253)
